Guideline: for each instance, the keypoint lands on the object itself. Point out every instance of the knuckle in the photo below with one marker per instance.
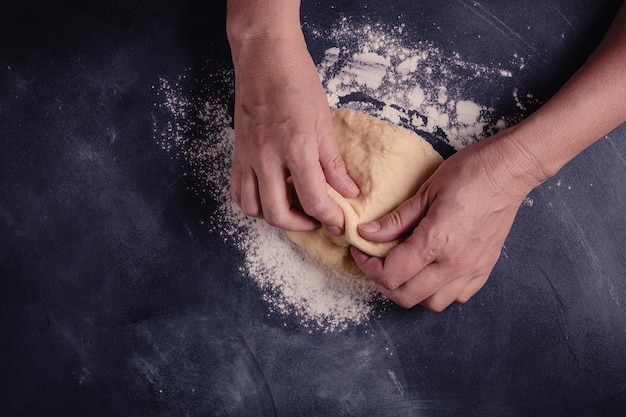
(249, 207)
(316, 207)
(275, 218)
(405, 303)
(406, 270)
(250, 210)
(462, 299)
(394, 220)
(336, 163)
(438, 307)
(296, 147)
(435, 305)
(438, 245)
(263, 148)
(389, 283)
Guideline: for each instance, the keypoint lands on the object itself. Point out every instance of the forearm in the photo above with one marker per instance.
(252, 21)
(587, 107)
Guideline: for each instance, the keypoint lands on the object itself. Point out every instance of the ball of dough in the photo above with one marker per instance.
(389, 164)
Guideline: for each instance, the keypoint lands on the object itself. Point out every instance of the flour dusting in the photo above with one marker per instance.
(197, 130)
(374, 69)
(368, 68)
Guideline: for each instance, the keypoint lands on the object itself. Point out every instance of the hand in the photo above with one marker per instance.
(461, 216)
(283, 128)
(457, 221)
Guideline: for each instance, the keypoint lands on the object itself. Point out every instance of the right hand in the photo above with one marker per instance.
(455, 226)
(283, 128)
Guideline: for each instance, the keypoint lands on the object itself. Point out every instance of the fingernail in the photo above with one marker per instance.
(335, 230)
(371, 227)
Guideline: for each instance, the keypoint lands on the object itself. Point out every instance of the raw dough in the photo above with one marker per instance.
(389, 163)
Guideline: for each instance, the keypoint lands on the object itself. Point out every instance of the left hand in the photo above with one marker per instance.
(457, 223)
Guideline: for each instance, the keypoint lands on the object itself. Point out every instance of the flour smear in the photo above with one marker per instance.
(370, 68)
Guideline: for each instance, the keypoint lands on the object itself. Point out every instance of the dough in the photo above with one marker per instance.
(389, 163)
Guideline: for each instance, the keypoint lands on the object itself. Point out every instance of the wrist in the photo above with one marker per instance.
(532, 161)
(510, 166)
(269, 59)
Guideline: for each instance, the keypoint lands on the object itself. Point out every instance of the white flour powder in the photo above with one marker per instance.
(197, 130)
(415, 85)
(368, 69)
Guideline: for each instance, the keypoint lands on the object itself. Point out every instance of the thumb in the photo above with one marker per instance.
(396, 223)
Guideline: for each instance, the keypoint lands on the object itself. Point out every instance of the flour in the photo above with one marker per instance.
(369, 68)
(415, 85)
(196, 129)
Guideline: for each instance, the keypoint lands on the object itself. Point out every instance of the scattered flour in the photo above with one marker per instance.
(196, 128)
(371, 69)
(416, 85)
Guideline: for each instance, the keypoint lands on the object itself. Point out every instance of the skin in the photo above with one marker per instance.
(282, 123)
(459, 219)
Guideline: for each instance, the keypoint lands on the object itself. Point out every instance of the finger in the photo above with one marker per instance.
(382, 271)
(445, 295)
(311, 187)
(416, 289)
(335, 169)
(275, 200)
(249, 200)
(400, 266)
(404, 261)
(398, 222)
(459, 291)
(371, 266)
(236, 174)
(471, 289)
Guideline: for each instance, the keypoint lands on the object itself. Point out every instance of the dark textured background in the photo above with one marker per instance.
(114, 300)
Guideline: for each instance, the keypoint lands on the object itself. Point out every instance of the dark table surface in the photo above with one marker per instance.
(120, 296)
